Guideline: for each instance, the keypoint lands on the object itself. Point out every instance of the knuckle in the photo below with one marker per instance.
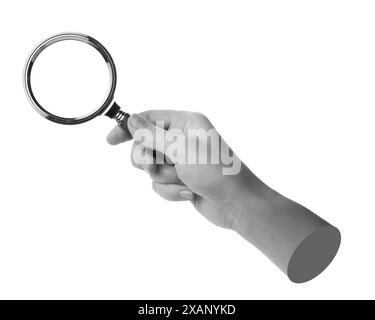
(200, 116)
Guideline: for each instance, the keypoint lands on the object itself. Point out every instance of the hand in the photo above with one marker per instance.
(211, 192)
(188, 160)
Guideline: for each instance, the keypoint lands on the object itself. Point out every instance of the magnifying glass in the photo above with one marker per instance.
(72, 83)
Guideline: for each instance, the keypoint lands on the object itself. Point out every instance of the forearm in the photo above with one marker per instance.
(299, 242)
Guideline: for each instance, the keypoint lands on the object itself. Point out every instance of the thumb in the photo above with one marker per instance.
(138, 122)
(119, 134)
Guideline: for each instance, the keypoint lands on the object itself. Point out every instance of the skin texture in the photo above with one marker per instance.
(299, 242)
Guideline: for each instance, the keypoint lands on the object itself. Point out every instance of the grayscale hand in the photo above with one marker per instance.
(299, 242)
(204, 185)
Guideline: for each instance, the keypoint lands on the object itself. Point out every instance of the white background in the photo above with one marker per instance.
(289, 84)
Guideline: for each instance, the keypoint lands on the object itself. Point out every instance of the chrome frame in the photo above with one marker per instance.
(62, 37)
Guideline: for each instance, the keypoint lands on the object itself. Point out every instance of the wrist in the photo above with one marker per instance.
(299, 242)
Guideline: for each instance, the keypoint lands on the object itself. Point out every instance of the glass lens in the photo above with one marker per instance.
(70, 79)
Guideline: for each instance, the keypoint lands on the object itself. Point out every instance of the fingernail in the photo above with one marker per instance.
(186, 194)
(134, 120)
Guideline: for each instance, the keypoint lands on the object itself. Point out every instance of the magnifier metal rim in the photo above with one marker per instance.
(62, 37)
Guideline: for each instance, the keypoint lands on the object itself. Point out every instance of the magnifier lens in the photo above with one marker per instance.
(70, 79)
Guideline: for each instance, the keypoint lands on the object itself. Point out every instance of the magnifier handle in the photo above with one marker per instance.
(120, 116)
